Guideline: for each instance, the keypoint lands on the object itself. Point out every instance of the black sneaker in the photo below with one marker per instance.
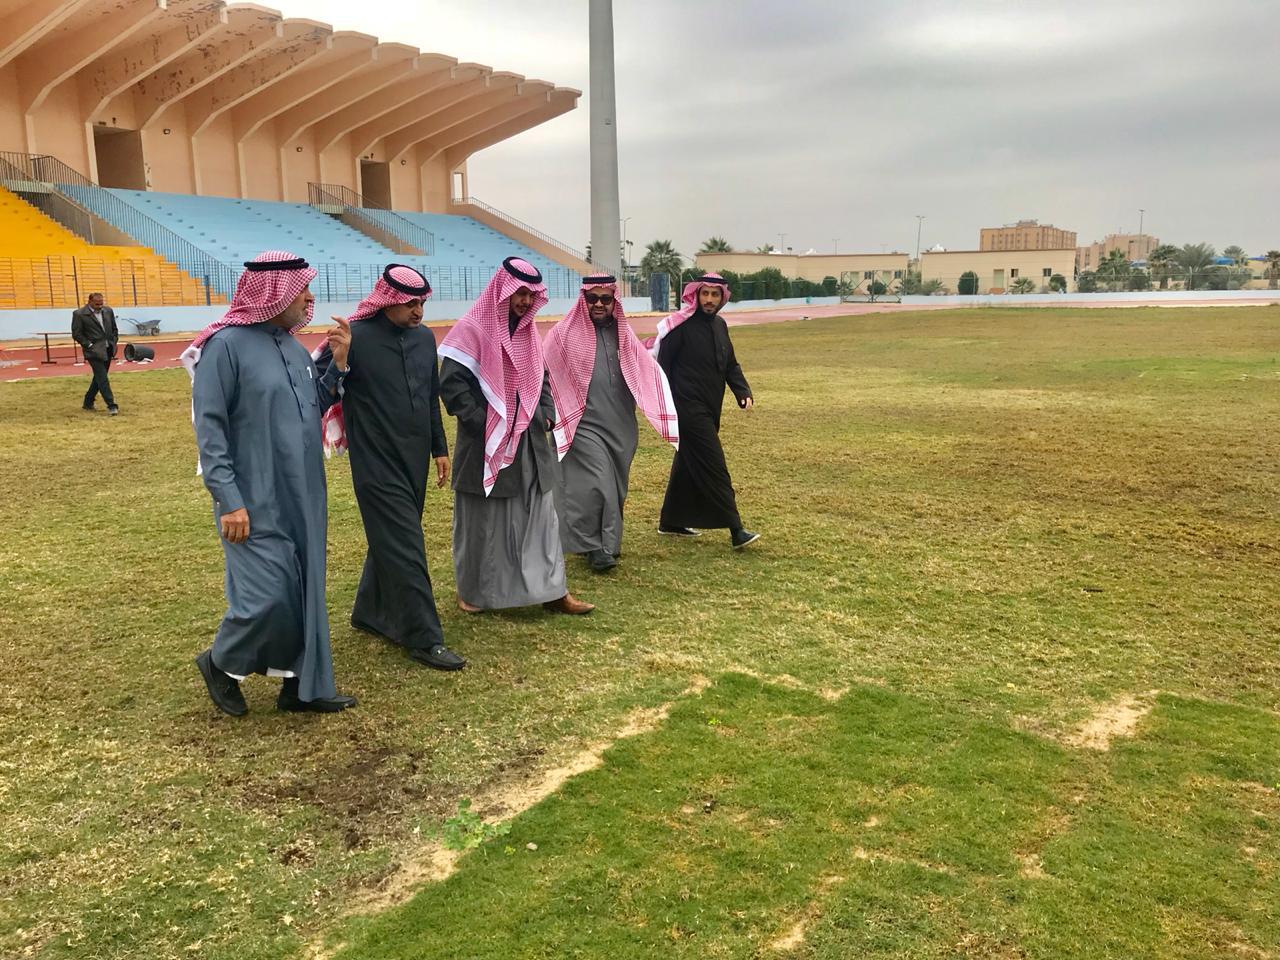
(290, 702)
(740, 538)
(678, 531)
(91, 408)
(114, 411)
(224, 690)
(438, 657)
(601, 561)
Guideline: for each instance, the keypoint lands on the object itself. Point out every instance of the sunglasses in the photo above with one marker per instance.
(594, 298)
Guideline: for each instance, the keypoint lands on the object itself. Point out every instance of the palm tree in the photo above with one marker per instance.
(1195, 259)
(1115, 269)
(661, 256)
(1160, 260)
(1273, 268)
(1023, 285)
(1237, 255)
(716, 245)
(767, 248)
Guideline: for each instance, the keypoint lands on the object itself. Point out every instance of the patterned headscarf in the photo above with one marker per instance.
(506, 365)
(689, 297)
(398, 284)
(570, 352)
(270, 282)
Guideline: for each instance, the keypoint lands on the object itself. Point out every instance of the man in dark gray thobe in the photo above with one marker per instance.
(390, 420)
(256, 404)
(506, 536)
(598, 371)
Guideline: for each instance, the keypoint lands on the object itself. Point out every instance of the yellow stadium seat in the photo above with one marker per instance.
(43, 264)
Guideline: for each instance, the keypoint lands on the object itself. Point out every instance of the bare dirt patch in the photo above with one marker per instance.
(1119, 718)
(432, 863)
(793, 937)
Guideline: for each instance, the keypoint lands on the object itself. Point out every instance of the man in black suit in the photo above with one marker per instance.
(93, 326)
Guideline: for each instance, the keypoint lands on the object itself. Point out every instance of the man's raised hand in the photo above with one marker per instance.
(339, 340)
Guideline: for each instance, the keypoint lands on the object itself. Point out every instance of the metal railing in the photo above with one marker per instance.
(62, 280)
(520, 224)
(372, 219)
(32, 174)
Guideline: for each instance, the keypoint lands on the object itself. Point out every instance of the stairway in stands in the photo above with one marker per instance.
(43, 264)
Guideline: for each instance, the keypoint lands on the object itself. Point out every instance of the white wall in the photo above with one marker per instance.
(22, 324)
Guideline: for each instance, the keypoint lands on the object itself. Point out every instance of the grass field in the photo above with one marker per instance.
(986, 533)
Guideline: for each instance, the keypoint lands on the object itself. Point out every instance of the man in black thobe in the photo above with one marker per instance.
(393, 428)
(694, 349)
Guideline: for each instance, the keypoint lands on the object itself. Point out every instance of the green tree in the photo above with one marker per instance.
(929, 287)
(716, 245)
(767, 248)
(1058, 283)
(1114, 270)
(1193, 260)
(661, 256)
(968, 284)
(1087, 282)
(910, 283)
(1162, 260)
(1022, 285)
(1139, 280)
(1273, 268)
(1237, 255)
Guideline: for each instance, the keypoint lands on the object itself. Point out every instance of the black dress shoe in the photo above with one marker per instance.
(601, 561)
(438, 657)
(290, 702)
(678, 531)
(740, 538)
(88, 406)
(224, 690)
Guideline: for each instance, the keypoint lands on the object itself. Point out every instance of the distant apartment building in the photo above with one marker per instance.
(1026, 235)
(1134, 246)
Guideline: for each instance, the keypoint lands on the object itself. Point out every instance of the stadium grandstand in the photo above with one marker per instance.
(149, 147)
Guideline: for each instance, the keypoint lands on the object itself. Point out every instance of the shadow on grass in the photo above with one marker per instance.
(763, 820)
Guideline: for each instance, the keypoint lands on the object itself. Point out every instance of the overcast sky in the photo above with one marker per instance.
(842, 121)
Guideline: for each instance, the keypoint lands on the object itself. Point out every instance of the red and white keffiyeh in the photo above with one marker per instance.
(506, 365)
(270, 282)
(570, 352)
(398, 284)
(689, 297)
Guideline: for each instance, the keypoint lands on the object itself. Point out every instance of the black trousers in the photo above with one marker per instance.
(100, 383)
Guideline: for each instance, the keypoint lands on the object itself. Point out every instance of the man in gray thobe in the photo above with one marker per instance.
(256, 406)
(506, 536)
(598, 370)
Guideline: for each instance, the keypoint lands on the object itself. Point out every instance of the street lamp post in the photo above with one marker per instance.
(1141, 215)
(623, 251)
(782, 243)
(919, 224)
(835, 245)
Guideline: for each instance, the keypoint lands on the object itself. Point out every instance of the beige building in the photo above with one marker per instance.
(235, 100)
(1025, 235)
(851, 267)
(1134, 246)
(997, 270)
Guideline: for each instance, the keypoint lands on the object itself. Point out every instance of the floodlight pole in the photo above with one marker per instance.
(606, 242)
(919, 223)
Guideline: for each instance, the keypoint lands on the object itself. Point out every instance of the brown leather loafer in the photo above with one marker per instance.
(570, 605)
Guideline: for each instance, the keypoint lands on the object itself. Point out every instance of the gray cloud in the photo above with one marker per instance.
(838, 120)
